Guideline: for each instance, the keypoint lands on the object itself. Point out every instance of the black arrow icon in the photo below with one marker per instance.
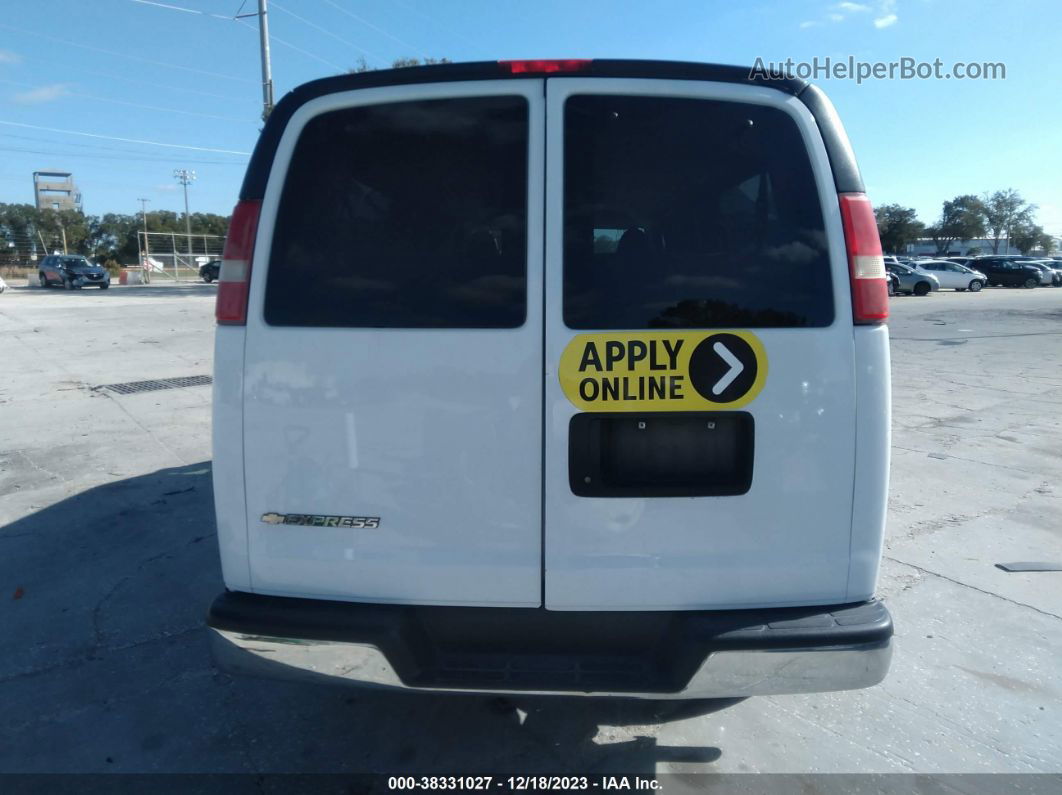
(723, 368)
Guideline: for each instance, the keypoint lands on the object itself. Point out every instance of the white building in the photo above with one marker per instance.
(962, 248)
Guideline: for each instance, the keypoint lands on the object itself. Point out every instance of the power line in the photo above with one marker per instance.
(234, 18)
(436, 22)
(125, 140)
(126, 55)
(133, 104)
(93, 183)
(179, 8)
(366, 22)
(36, 139)
(226, 97)
(289, 45)
(120, 158)
(326, 31)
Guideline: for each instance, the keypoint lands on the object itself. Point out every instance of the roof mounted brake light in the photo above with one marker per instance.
(546, 66)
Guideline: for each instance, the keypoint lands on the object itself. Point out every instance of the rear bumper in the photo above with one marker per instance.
(677, 655)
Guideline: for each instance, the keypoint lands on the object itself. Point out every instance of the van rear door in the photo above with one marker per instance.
(393, 385)
(700, 390)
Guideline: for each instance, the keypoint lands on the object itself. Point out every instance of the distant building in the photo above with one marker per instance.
(55, 190)
(961, 248)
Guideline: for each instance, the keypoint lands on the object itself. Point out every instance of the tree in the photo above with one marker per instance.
(25, 230)
(1026, 236)
(64, 230)
(897, 226)
(1005, 210)
(361, 65)
(114, 236)
(1048, 243)
(962, 218)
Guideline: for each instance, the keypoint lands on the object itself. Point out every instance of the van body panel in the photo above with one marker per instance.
(457, 440)
(870, 494)
(227, 468)
(433, 432)
(785, 541)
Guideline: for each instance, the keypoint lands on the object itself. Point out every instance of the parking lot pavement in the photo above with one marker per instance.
(108, 563)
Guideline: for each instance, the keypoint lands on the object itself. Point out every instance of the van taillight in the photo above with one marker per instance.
(234, 280)
(866, 266)
(546, 66)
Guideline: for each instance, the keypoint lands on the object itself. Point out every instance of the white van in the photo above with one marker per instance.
(553, 377)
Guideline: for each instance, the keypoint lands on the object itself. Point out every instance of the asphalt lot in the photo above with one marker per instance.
(108, 563)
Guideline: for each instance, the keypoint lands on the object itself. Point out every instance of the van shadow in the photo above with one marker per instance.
(543, 735)
(105, 643)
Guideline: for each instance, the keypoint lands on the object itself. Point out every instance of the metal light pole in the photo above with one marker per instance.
(267, 74)
(185, 177)
(145, 266)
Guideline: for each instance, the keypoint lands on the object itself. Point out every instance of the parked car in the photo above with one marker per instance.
(912, 280)
(209, 271)
(72, 272)
(1052, 271)
(953, 276)
(447, 461)
(893, 283)
(1005, 272)
(3, 285)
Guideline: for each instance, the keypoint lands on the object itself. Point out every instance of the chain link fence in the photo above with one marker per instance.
(177, 257)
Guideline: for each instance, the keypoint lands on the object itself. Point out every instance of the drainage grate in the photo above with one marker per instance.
(159, 383)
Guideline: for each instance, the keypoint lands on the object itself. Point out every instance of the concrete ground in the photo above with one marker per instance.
(108, 563)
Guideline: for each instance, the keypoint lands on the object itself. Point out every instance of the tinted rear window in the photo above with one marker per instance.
(405, 215)
(685, 213)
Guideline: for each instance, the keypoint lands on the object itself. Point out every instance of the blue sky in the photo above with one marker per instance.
(122, 69)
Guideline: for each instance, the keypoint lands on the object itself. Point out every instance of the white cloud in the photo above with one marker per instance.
(6, 56)
(38, 96)
(886, 14)
(883, 10)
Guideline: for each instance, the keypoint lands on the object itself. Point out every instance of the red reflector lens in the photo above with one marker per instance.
(870, 294)
(239, 244)
(231, 306)
(234, 280)
(546, 66)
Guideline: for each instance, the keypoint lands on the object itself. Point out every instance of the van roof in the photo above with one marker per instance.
(842, 160)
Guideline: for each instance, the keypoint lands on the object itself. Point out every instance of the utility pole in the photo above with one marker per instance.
(145, 265)
(267, 73)
(185, 177)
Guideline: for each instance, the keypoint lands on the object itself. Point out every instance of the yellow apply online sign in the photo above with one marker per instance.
(663, 370)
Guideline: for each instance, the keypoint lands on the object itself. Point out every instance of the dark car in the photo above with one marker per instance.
(72, 272)
(209, 271)
(1006, 272)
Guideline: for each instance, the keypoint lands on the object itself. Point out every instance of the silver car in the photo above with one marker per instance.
(954, 276)
(1050, 269)
(912, 280)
